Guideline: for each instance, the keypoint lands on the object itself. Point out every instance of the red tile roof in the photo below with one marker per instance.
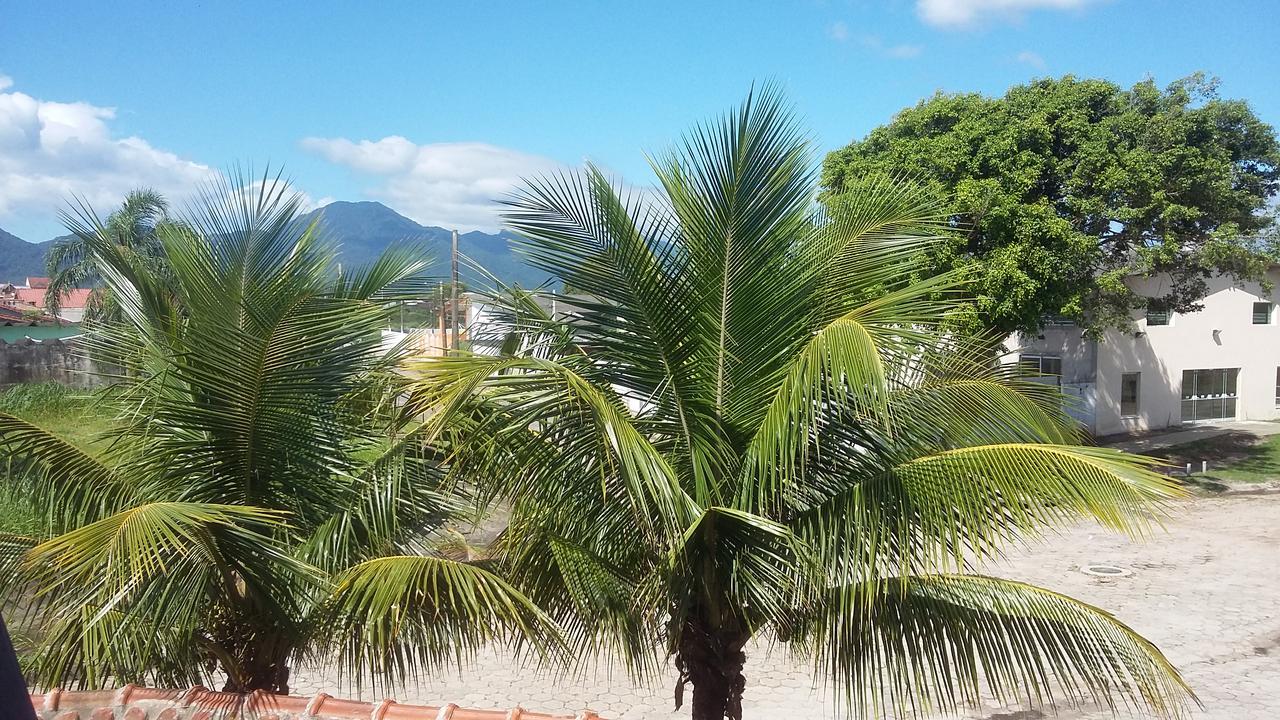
(140, 703)
(37, 282)
(77, 298)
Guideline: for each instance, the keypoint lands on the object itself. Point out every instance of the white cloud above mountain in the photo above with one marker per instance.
(965, 13)
(51, 151)
(452, 185)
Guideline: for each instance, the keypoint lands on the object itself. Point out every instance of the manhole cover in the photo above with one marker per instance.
(1106, 571)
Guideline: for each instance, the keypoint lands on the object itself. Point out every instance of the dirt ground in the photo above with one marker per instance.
(1206, 591)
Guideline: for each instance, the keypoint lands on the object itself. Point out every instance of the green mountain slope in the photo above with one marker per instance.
(362, 229)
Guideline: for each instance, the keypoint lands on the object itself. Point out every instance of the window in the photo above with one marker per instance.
(1157, 317)
(1278, 387)
(1209, 394)
(1041, 365)
(1129, 394)
(1262, 313)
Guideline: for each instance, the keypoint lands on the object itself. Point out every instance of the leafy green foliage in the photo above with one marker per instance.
(134, 228)
(749, 421)
(255, 462)
(1063, 188)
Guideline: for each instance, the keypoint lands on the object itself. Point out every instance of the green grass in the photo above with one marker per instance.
(72, 414)
(1233, 458)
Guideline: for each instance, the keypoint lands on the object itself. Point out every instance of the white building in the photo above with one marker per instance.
(1170, 369)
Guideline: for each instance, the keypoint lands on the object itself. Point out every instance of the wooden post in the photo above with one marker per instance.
(453, 309)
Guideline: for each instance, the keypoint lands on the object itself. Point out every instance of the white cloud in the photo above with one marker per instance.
(50, 151)
(962, 13)
(838, 31)
(452, 185)
(903, 51)
(1027, 57)
(306, 203)
(899, 52)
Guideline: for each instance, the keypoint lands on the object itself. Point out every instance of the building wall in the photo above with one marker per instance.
(1079, 365)
(1220, 336)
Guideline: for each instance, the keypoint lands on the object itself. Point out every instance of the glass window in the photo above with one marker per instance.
(1045, 366)
(1129, 394)
(1157, 317)
(1278, 387)
(1262, 313)
(1211, 394)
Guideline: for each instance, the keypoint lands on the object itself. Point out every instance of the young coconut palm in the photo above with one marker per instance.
(750, 426)
(258, 476)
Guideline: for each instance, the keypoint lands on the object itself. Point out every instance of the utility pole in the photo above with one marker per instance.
(453, 309)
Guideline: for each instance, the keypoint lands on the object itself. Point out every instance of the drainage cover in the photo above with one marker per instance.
(1106, 571)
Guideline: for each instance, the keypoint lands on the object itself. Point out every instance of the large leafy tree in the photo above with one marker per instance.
(1063, 188)
(748, 426)
(135, 228)
(258, 482)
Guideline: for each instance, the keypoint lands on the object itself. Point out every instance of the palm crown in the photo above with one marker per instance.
(751, 423)
(135, 229)
(259, 481)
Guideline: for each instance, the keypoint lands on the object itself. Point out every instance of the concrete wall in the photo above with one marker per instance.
(1220, 336)
(31, 361)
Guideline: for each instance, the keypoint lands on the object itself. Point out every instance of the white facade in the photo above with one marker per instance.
(1209, 365)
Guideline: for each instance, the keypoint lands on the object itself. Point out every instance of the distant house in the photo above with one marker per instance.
(1168, 369)
(32, 295)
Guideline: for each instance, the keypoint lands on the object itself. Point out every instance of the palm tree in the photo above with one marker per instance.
(135, 227)
(258, 478)
(750, 426)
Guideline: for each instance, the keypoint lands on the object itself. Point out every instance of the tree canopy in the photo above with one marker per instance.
(260, 498)
(1063, 188)
(748, 423)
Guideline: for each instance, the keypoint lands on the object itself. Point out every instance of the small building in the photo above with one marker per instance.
(1168, 369)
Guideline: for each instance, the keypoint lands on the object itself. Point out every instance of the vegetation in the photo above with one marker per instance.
(751, 426)
(1065, 187)
(135, 229)
(257, 485)
(54, 407)
(1234, 457)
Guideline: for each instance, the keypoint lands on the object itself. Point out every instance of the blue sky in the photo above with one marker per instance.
(437, 107)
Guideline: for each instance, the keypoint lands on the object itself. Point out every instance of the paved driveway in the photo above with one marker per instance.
(1207, 592)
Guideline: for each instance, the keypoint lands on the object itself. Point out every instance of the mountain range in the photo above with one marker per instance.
(362, 229)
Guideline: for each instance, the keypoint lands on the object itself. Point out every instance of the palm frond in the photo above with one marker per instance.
(400, 616)
(71, 484)
(955, 507)
(915, 646)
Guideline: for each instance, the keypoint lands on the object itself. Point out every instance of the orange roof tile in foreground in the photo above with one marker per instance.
(132, 702)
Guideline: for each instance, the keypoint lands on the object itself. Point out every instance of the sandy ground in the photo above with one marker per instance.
(1206, 591)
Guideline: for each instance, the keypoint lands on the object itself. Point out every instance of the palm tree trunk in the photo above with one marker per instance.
(254, 657)
(266, 669)
(711, 660)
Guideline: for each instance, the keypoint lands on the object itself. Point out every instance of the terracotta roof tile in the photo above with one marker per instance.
(132, 702)
(75, 298)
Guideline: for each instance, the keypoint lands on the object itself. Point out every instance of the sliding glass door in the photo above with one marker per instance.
(1209, 394)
